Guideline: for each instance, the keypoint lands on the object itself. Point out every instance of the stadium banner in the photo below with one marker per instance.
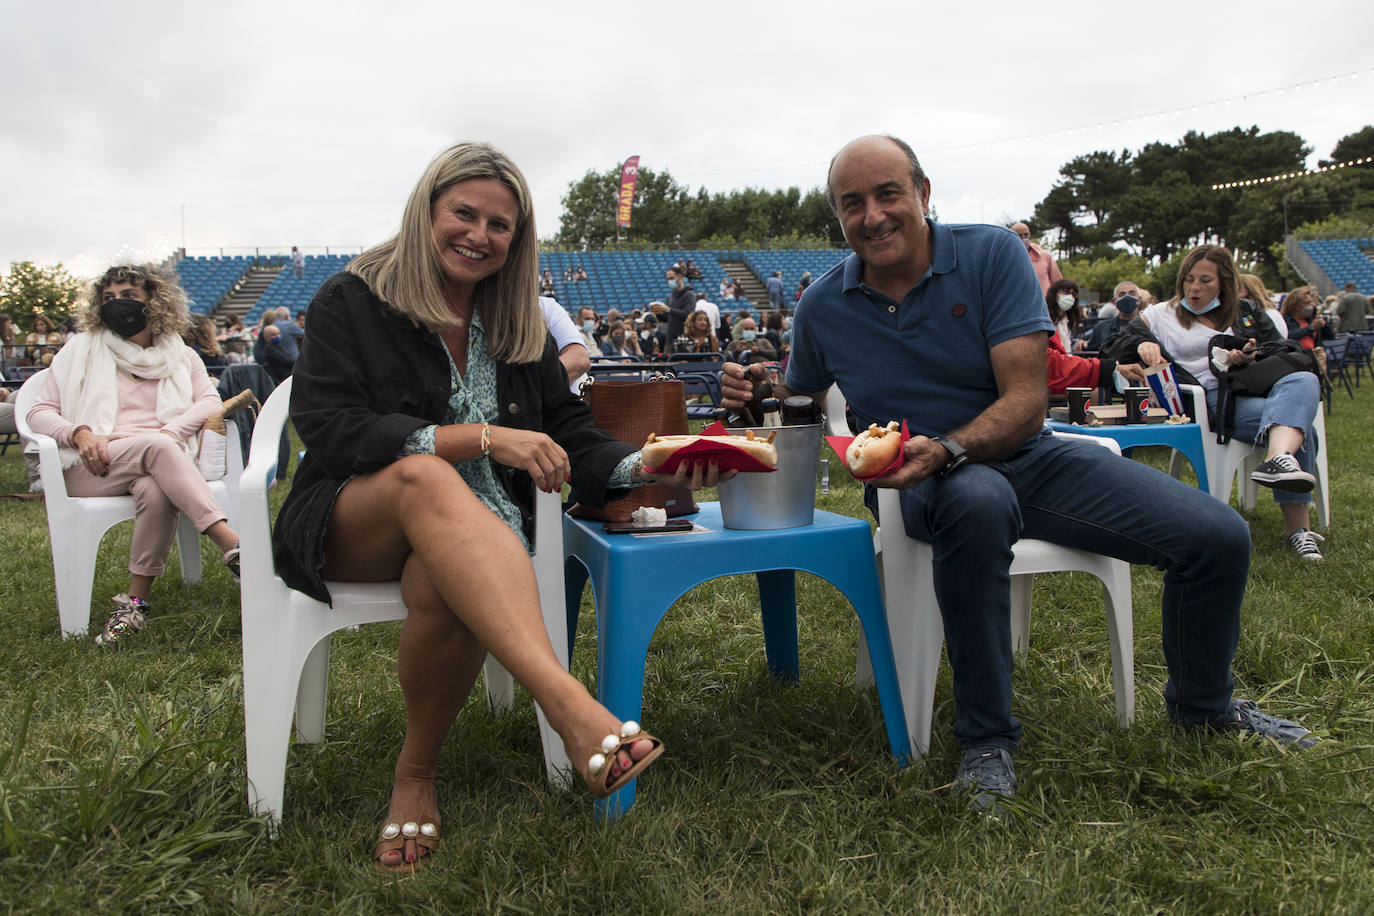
(628, 174)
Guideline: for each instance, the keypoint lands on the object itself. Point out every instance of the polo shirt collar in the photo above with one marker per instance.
(943, 257)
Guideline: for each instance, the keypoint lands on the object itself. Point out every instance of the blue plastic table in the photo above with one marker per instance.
(635, 579)
(1183, 437)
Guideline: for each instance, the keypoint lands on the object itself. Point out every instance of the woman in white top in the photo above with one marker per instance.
(1207, 303)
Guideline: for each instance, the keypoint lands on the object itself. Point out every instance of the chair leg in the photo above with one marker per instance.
(73, 572)
(188, 545)
(863, 665)
(1116, 598)
(1022, 587)
(267, 678)
(312, 693)
(500, 686)
(918, 635)
(1323, 495)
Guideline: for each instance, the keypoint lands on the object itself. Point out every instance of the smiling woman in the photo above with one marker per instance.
(431, 402)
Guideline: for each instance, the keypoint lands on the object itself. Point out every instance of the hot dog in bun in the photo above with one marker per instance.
(873, 450)
(658, 450)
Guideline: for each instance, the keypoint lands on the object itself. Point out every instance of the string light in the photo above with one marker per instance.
(1249, 182)
(1277, 90)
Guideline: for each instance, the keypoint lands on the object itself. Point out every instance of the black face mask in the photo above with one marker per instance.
(126, 317)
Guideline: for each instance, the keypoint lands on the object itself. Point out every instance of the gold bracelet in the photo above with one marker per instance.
(486, 441)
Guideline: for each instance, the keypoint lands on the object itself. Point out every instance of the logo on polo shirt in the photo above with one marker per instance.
(959, 310)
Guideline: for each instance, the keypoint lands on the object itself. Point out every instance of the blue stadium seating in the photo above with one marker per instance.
(208, 280)
(296, 292)
(628, 280)
(623, 280)
(1344, 261)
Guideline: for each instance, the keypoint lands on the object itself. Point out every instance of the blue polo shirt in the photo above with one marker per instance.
(924, 359)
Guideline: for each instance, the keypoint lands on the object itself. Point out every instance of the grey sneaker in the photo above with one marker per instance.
(1304, 544)
(1248, 719)
(231, 561)
(125, 622)
(986, 771)
(1283, 473)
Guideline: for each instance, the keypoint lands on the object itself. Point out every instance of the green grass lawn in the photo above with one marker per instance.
(122, 773)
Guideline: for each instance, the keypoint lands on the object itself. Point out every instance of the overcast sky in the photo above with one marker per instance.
(133, 128)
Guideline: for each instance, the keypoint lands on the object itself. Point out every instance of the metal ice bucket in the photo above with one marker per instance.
(785, 498)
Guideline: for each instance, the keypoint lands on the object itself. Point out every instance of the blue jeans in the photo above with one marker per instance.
(1293, 401)
(1079, 495)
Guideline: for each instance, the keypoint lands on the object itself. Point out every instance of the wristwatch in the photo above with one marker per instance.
(958, 457)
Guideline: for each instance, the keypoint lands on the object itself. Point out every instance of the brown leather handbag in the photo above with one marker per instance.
(630, 410)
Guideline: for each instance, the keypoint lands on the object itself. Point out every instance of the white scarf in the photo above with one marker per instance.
(88, 383)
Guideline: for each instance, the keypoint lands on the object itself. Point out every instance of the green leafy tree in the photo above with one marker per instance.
(1102, 274)
(30, 290)
(1353, 146)
(666, 213)
(1159, 200)
(1164, 276)
(1082, 203)
(590, 207)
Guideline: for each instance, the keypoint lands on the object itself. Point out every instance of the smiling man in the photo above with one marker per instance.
(945, 326)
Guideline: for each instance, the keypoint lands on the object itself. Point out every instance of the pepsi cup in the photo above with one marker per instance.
(1078, 405)
(1137, 402)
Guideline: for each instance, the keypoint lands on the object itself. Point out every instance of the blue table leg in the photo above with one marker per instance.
(778, 606)
(574, 582)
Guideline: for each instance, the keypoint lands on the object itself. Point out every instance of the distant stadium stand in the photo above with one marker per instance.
(1339, 261)
(628, 280)
(624, 280)
(208, 280)
(296, 292)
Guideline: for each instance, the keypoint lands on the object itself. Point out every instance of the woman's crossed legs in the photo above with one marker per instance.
(469, 588)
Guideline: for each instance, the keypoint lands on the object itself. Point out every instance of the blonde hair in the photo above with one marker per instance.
(166, 308)
(404, 270)
(1259, 293)
(1299, 299)
(692, 323)
(201, 334)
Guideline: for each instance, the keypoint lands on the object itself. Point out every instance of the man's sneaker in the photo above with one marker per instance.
(1282, 473)
(126, 621)
(986, 771)
(1247, 718)
(1304, 544)
(231, 561)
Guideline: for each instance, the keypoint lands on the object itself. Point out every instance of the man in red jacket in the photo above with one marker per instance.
(1064, 370)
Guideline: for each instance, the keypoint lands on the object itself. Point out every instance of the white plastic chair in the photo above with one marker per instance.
(1230, 464)
(76, 524)
(286, 632)
(913, 613)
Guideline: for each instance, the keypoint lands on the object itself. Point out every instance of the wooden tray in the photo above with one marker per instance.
(1111, 414)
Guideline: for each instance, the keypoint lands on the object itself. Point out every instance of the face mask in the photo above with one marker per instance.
(1066, 302)
(1214, 304)
(126, 317)
(617, 339)
(1127, 304)
(748, 335)
(672, 284)
(588, 326)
